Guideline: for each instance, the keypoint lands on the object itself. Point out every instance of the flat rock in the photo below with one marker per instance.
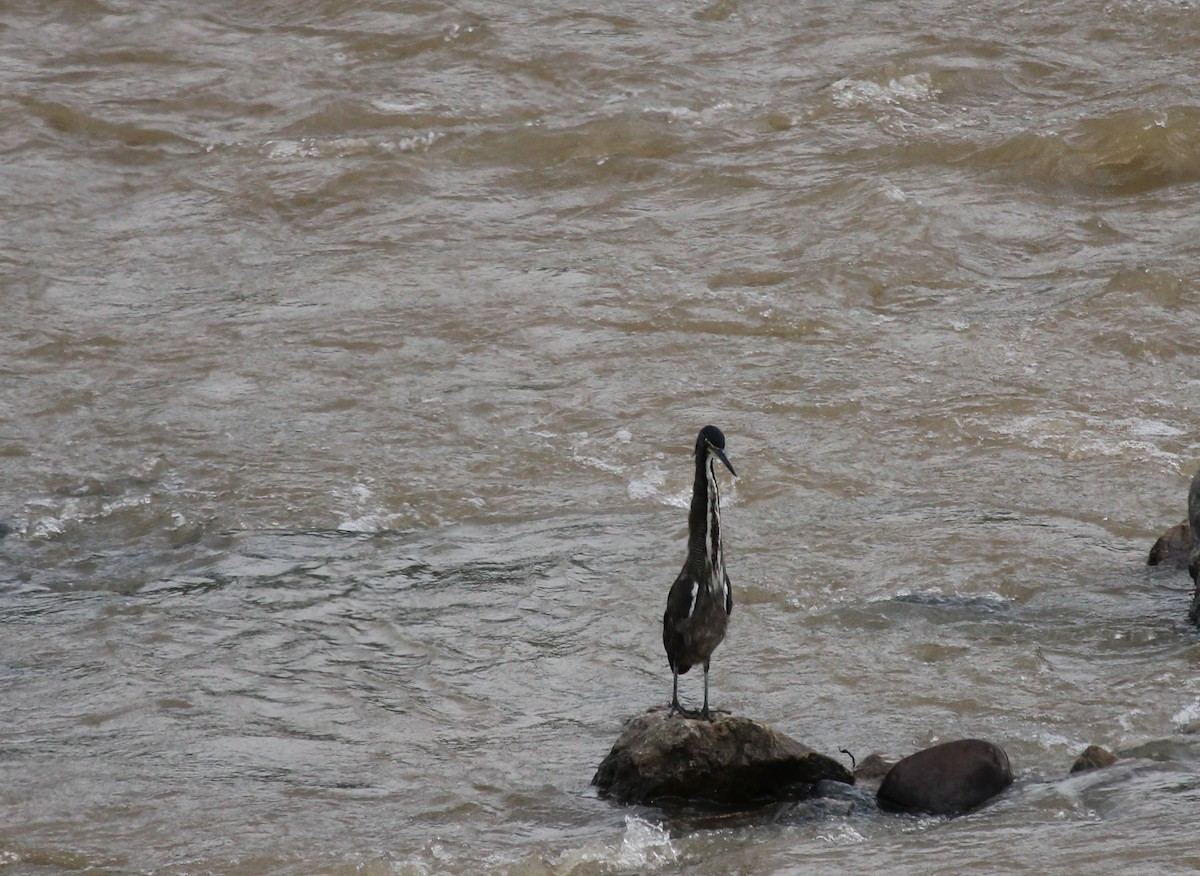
(727, 762)
(1093, 757)
(947, 779)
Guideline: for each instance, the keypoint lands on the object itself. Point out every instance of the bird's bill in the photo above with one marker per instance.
(725, 459)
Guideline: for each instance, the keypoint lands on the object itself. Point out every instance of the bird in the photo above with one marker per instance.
(701, 599)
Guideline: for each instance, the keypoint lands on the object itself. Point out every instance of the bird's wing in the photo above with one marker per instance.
(681, 601)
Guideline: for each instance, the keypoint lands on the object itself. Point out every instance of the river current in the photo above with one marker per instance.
(351, 358)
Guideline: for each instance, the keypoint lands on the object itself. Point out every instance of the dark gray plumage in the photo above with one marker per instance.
(701, 600)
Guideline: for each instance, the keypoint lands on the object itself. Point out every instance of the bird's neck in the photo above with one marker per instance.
(704, 524)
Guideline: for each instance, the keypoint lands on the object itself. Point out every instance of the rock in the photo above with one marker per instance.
(1173, 546)
(1093, 757)
(874, 766)
(947, 779)
(1180, 546)
(728, 762)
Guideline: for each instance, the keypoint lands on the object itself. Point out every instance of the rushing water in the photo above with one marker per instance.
(351, 354)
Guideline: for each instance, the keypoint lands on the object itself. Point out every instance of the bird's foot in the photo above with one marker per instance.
(696, 714)
(677, 709)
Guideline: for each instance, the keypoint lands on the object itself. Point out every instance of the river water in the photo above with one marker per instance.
(351, 358)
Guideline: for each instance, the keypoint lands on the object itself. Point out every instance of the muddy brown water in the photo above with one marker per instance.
(351, 354)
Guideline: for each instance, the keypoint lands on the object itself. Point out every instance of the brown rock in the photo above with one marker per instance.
(1173, 546)
(728, 762)
(1180, 545)
(1093, 757)
(874, 766)
(947, 779)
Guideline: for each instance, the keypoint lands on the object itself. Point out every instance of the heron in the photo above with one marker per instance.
(700, 601)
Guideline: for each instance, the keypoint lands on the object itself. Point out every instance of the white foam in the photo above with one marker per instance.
(647, 485)
(582, 439)
(368, 523)
(644, 845)
(911, 88)
(682, 499)
(842, 835)
(45, 527)
(687, 115)
(1050, 739)
(339, 147)
(1152, 428)
(1187, 716)
(1077, 435)
(364, 515)
(1126, 720)
(399, 107)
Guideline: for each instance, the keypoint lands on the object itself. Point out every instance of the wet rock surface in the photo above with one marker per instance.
(873, 767)
(1179, 546)
(947, 779)
(1173, 547)
(727, 762)
(1093, 757)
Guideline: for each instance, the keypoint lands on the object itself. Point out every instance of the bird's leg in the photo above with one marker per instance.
(675, 706)
(706, 713)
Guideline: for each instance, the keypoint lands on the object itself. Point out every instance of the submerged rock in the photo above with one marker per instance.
(1093, 757)
(727, 762)
(947, 779)
(1173, 547)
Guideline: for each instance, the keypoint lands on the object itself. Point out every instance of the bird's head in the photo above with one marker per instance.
(711, 442)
